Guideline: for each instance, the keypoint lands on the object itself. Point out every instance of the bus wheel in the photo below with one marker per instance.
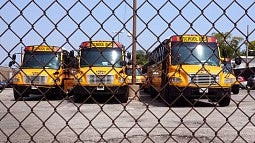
(59, 94)
(167, 96)
(123, 98)
(153, 92)
(225, 101)
(235, 90)
(78, 98)
(56, 94)
(19, 94)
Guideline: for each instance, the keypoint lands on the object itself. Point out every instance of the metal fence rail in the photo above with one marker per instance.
(143, 118)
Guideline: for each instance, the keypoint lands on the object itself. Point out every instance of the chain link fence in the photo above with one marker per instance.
(147, 115)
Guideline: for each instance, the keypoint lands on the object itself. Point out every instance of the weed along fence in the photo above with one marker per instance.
(127, 71)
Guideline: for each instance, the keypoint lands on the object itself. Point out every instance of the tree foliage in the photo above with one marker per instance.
(141, 57)
(251, 45)
(231, 44)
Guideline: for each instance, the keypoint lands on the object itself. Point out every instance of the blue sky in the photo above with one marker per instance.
(68, 23)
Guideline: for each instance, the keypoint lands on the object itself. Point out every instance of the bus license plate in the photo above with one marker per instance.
(33, 87)
(100, 88)
(203, 90)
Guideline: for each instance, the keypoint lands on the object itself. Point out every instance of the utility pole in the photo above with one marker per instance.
(247, 47)
(134, 44)
(134, 88)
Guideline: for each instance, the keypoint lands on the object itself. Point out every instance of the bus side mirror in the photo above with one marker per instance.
(72, 53)
(129, 55)
(238, 60)
(14, 57)
(144, 70)
(11, 63)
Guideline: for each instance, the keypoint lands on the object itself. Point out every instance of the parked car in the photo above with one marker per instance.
(251, 82)
(3, 84)
(242, 81)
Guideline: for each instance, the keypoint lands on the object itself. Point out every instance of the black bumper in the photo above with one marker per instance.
(89, 90)
(196, 92)
(26, 90)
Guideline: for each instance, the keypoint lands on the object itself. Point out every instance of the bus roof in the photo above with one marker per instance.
(101, 44)
(192, 38)
(43, 48)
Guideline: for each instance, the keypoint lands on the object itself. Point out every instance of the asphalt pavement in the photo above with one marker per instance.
(147, 120)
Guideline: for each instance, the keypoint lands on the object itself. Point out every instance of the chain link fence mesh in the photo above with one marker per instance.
(148, 119)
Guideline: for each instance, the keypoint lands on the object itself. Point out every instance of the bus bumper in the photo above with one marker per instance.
(50, 92)
(90, 90)
(196, 92)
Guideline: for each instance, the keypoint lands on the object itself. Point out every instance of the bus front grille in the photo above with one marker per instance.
(95, 79)
(35, 79)
(207, 79)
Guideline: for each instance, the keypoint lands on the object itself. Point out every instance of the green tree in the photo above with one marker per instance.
(251, 45)
(231, 44)
(141, 57)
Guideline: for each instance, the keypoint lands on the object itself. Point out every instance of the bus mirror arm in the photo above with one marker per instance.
(224, 62)
(11, 63)
(224, 53)
(129, 55)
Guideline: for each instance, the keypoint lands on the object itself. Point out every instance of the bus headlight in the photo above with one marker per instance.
(54, 80)
(121, 79)
(229, 80)
(175, 80)
(73, 71)
(15, 79)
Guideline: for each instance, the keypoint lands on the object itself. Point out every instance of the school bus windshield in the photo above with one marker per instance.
(129, 72)
(48, 60)
(101, 57)
(190, 53)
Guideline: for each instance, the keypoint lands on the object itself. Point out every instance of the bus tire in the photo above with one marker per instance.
(19, 93)
(54, 94)
(79, 98)
(59, 94)
(168, 96)
(123, 98)
(235, 89)
(225, 101)
(153, 92)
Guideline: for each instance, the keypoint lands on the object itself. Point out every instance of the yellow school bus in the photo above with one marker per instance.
(189, 67)
(101, 71)
(140, 78)
(43, 71)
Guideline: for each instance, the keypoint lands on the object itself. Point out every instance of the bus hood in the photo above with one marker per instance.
(197, 69)
(101, 70)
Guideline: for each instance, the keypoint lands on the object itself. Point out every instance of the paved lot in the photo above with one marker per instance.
(146, 121)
